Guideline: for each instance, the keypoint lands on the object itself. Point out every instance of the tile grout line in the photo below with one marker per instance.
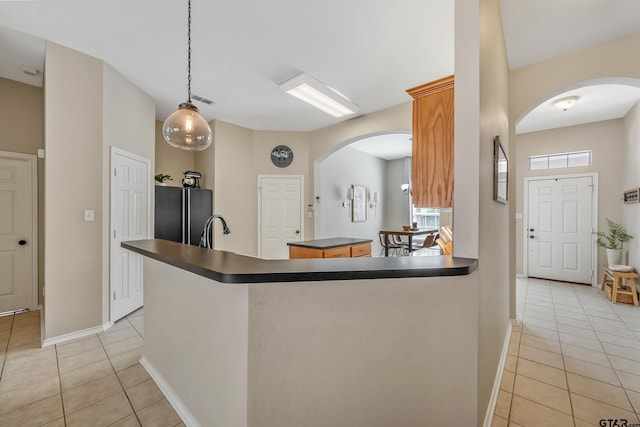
(615, 371)
(64, 412)
(6, 349)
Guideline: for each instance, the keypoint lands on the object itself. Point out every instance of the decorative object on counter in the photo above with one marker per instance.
(186, 128)
(312, 91)
(359, 204)
(161, 178)
(613, 241)
(191, 179)
(500, 172)
(282, 156)
(631, 196)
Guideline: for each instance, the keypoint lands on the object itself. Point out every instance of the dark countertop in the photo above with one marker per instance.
(334, 242)
(227, 267)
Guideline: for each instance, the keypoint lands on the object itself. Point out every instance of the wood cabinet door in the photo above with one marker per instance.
(363, 250)
(432, 157)
(341, 252)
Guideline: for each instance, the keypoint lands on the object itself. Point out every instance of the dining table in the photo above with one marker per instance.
(410, 233)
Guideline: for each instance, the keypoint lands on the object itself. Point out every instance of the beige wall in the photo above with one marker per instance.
(631, 212)
(172, 161)
(22, 121)
(493, 233)
(605, 139)
(127, 124)
(535, 83)
(530, 85)
(88, 107)
(235, 188)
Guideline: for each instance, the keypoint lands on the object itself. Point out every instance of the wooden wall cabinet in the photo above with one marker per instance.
(432, 158)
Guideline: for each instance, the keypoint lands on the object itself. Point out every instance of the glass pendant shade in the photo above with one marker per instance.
(187, 129)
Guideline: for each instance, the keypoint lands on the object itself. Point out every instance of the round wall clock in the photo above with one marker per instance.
(282, 156)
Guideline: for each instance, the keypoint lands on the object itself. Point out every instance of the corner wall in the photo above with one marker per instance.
(88, 107)
(341, 170)
(606, 141)
(173, 161)
(631, 179)
(22, 121)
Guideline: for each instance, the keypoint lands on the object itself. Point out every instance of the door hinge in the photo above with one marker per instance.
(114, 234)
(115, 172)
(114, 296)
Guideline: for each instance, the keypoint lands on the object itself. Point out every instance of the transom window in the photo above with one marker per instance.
(560, 160)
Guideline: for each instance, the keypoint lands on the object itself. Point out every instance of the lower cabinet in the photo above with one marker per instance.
(349, 251)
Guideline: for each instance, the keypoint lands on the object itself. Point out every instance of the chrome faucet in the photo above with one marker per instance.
(205, 237)
(225, 229)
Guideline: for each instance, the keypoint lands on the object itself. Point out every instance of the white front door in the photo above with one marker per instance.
(18, 261)
(559, 231)
(280, 215)
(130, 213)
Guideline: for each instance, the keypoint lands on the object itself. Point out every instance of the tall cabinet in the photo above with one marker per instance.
(432, 158)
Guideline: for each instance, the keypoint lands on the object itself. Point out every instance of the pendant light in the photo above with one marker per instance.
(186, 128)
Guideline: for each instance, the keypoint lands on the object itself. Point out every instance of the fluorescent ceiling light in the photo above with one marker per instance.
(321, 96)
(565, 103)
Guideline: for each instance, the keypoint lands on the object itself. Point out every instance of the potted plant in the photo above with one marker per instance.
(161, 178)
(613, 241)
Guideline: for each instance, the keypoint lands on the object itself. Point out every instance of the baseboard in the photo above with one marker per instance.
(521, 276)
(72, 336)
(488, 417)
(178, 405)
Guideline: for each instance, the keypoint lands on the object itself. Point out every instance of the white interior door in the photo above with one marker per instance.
(130, 219)
(280, 215)
(559, 231)
(18, 225)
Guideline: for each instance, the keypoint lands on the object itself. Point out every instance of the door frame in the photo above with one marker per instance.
(594, 219)
(113, 152)
(260, 178)
(32, 161)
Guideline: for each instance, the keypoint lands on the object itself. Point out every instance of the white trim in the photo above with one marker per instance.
(302, 210)
(72, 336)
(115, 151)
(178, 405)
(32, 160)
(594, 220)
(493, 399)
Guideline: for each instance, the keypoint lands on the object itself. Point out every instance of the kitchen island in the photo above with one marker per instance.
(336, 247)
(238, 341)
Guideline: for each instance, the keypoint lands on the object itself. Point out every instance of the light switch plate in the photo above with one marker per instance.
(518, 215)
(88, 215)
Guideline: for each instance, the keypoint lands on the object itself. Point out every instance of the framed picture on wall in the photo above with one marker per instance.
(500, 172)
(359, 204)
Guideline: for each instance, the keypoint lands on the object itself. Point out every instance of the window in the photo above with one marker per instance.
(560, 160)
(427, 218)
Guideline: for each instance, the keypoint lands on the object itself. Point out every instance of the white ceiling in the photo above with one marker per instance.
(242, 50)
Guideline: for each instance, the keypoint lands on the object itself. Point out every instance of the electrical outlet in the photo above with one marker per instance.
(88, 215)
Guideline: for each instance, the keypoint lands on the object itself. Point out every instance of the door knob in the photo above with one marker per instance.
(22, 242)
(532, 237)
(532, 230)
(297, 231)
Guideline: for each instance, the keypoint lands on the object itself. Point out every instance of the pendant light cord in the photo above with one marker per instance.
(189, 53)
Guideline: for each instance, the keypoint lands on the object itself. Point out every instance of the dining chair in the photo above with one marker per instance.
(393, 247)
(402, 246)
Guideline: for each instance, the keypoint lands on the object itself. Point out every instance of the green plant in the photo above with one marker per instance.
(615, 238)
(162, 178)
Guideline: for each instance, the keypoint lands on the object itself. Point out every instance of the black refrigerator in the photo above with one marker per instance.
(181, 213)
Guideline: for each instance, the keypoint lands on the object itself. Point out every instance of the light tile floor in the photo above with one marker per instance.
(92, 381)
(574, 361)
